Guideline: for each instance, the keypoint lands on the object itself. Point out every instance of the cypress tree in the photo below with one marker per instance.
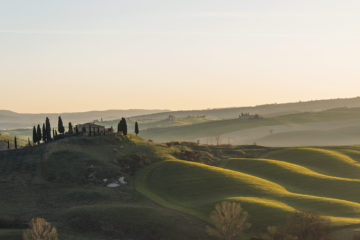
(136, 128)
(120, 126)
(34, 135)
(61, 126)
(76, 130)
(38, 134)
(15, 142)
(44, 133)
(48, 129)
(8, 144)
(29, 144)
(70, 128)
(124, 127)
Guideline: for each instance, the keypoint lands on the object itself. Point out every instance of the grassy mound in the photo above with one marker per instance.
(194, 188)
(297, 178)
(323, 160)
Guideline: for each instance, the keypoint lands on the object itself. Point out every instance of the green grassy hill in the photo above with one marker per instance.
(317, 179)
(63, 181)
(171, 187)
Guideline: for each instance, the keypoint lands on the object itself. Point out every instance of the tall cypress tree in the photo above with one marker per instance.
(120, 124)
(70, 128)
(44, 133)
(124, 128)
(136, 128)
(48, 129)
(38, 134)
(15, 142)
(61, 126)
(34, 135)
(8, 144)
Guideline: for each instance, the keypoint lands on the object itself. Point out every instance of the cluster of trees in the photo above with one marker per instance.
(44, 133)
(122, 127)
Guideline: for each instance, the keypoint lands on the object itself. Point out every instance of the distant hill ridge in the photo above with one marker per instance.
(11, 120)
(268, 110)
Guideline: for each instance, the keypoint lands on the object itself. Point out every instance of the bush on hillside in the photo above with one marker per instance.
(356, 236)
(301, 226)
(40, 229)
(229, 221)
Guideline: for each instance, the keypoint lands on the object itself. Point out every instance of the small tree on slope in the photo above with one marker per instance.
(34, 135)
(38, 134)
(48, 129)
(61, 126)
(40, 229)
(136, 128)
(229, 221)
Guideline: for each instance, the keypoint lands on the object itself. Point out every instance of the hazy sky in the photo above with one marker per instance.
(78, 55)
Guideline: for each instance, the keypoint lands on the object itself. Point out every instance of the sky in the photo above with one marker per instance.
(80, 55)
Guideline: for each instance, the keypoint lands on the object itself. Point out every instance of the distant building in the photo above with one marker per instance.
(247, 116)
(91, 129)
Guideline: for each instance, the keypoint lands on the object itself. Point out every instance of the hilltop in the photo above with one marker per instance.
(67, 182)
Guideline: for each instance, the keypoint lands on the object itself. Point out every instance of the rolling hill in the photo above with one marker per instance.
(331, 127)
(171, 188)
(317, 179)
(267, 110)
(66, 182)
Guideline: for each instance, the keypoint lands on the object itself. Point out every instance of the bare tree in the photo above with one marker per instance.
(229, 221)
(40, 229)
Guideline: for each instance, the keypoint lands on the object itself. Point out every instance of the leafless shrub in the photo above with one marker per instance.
(229, 221)
(40, 229)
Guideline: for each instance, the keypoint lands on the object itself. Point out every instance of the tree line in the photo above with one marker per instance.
(44, 134)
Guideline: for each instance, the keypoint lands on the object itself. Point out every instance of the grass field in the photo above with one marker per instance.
(63, 181)
(317, 179)
(177, 186)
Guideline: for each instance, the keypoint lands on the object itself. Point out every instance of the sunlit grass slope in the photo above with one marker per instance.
(194, 188)
(327, 161)
(297, 178)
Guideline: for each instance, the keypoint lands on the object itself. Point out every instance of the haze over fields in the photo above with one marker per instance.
(321, 122)
(179, 120)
